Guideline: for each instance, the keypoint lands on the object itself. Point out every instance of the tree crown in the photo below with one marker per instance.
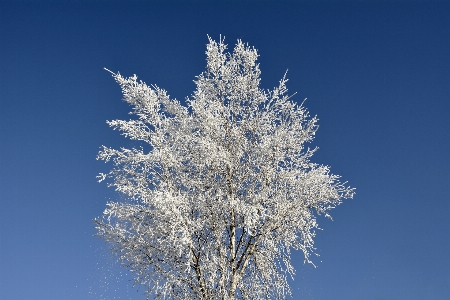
(226, 190)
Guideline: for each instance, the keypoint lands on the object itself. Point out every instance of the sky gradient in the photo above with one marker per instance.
(377, 74)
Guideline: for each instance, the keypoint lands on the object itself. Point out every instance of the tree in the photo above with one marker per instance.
(224, 188)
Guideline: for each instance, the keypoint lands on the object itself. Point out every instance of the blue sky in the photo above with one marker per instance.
(377, 74)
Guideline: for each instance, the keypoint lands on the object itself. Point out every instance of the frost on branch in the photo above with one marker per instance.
(226, 190)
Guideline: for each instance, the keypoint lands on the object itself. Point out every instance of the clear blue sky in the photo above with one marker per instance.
(377, 74)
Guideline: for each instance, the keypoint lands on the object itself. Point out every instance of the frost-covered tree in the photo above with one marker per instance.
(224, 189)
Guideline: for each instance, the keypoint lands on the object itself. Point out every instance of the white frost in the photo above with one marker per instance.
(225, 191)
